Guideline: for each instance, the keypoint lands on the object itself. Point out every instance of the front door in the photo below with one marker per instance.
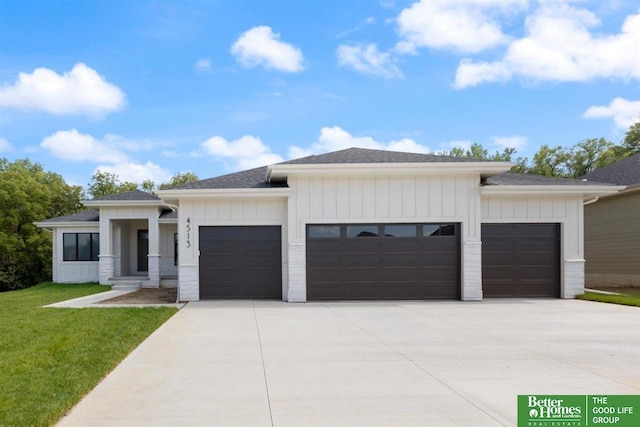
(143, 250)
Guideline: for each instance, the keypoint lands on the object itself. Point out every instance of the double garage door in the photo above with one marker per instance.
(380, 261)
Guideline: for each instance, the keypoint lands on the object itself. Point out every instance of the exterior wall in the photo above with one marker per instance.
(565, 210)
(72, 271)
(391, 199)
(612, 240)
(194, 213)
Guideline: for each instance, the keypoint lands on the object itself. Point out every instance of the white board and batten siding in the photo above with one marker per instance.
(385, 199)
(72, 271)
(564, 210)
(196, 213)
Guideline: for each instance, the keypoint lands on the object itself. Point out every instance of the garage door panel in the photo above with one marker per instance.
(521, 260)
(240, 262)
(392, 262)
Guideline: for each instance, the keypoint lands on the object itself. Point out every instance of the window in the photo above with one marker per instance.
(324, 231)
(175, 248)
(80, 246)
(362, 231)
(400, 230)
(438, 230)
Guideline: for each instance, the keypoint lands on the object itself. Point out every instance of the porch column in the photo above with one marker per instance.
(154, 252)
(106, 250)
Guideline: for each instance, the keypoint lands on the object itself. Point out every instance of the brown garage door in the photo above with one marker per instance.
(383, 261)
(240, 262)
(521, 260)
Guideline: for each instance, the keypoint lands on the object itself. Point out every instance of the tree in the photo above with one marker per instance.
(588, 155)
(631, 141)
(106, 183)
(551, 162)
(179, 179)
(27, 194)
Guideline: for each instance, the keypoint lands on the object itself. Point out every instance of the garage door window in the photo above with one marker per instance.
(362, 231)
(429, 230)
(400, 230)
(324, 231)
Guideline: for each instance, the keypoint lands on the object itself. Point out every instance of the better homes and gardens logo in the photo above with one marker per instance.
(578, 410)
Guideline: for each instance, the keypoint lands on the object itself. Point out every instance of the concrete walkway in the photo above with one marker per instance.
(244, 363)
(94, 300)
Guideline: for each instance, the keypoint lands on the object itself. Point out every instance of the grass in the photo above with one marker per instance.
(51, 357)
(633, 300)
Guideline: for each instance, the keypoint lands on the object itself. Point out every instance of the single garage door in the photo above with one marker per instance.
(383, 261)
(240, 262)
(521, 260)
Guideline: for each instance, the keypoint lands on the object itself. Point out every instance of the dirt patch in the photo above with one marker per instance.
(629, 290)
(146, 296)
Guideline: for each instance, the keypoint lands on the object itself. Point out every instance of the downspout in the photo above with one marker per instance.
(175, 208)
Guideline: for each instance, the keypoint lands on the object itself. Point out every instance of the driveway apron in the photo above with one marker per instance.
(270, 363)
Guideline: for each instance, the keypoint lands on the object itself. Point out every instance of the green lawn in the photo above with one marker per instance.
(51, 357)
(633, 300)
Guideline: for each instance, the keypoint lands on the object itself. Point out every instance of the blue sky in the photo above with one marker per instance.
(149, 89)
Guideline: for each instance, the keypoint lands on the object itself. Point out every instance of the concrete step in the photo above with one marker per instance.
(121, 285)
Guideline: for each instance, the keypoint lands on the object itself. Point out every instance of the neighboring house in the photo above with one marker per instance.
(351, 224)
(612, 227)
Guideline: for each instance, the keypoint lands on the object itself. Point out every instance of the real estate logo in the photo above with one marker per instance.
(578, 410)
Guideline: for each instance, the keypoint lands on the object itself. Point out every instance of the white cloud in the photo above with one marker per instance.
(623, 112)
(460, 25)
(246, 152)
(136, 172)
(514, 141)
(335, 138)
(5, 146)
(559, 46)
(75, 146)
(203, 64)
(261, 46)
(368, 60)
(80, 91)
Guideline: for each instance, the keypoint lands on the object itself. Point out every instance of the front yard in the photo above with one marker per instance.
(51, 357)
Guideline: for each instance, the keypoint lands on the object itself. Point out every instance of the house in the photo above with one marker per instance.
(351, 224)
(612, 227)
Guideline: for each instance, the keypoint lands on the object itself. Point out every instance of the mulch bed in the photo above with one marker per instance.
(146, 296)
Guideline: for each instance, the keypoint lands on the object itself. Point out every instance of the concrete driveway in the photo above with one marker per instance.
(270, 363)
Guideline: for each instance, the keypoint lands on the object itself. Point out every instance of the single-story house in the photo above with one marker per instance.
(612, 227)
(350, 224)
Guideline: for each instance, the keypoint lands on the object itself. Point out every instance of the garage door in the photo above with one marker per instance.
(383, 261)
(240, 262)
(521, 260)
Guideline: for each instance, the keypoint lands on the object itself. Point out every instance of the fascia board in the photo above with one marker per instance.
(67, 224)
(484, 168)
(550, 189)
(114, 203)
(167, 220)
(169, 195)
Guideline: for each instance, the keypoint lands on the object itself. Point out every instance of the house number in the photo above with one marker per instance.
(189, 232)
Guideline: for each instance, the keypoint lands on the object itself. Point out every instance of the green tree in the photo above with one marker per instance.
(551, 162)
(106, 183)
(179, 179)
(28, 193)
(588, 155)
(631, 141)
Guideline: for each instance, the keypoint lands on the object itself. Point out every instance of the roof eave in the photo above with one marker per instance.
(170, 196)
(112, 203)
(423, 168)
(585, 190)
(56, 224)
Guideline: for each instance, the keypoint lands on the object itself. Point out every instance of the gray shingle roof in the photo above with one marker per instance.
(84, 216)
(252, 178)
(129, 195)
(510, 178)
(363, 155)
(624, 172)
(167, 214)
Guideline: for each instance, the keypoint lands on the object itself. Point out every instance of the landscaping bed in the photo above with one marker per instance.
(146, 296)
